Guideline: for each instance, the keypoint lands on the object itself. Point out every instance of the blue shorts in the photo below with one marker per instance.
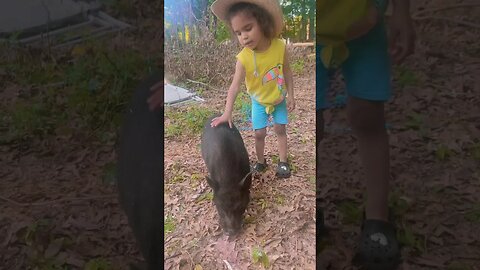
(260, 116)
(367, 71)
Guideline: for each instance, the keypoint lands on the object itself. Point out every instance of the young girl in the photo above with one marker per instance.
(357, 43)
(263, 64)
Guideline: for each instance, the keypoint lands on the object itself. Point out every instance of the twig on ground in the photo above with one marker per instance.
(173, 256)
(228, 265)
(204, 84)
(68, 200)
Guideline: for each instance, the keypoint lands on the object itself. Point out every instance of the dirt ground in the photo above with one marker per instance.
(58, 202)
(280, 216)
(434, 129)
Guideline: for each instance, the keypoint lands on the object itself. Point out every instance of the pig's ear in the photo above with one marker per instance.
(212, 183)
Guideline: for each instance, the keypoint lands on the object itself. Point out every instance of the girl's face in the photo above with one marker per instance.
(248, 32)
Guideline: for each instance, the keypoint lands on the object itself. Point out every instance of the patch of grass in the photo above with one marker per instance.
(177, 178)
(312, 179)
(292, 116)
(415, 121)
(398, 204)
(187, 122)
(169, 224)
(408, 238)
(93, 97)
(29, 120)
(280, 199)
(351, 212)
(263, 203)
(405, 77)
(298, 66)
(205, 197)
(475, 150)
(249, 219)
(259, 256)
(195, 179)
(110, 173)
(101, 81)
(443, 153)
(474, 214)
(243, 105)
(98, 264)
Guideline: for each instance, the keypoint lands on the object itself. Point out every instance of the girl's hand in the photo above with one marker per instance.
(290, 104)
(402, 35)
(222, 119)
(155, 101)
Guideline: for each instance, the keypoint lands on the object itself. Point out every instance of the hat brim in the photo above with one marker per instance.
(220, 9)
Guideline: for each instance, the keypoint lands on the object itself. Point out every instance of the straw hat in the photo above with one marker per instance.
(220, 9)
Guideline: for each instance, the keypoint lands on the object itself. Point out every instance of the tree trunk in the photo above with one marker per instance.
(303, 26)
(312, 20)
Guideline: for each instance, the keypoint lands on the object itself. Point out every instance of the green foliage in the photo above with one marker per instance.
(110, 173)
(243, 105)
(205, 197)
(222, 32)
(405, 77)
(280, 199)
(351, 212)
(87, 96)
(297, 66)
(408, 238)
(263, 203)
(186, 122)
(169, 224)
(259, 256)
(98, 264)
(475, 150)
(415, 121)
(443, 153)
(398, 204)
(474, 214)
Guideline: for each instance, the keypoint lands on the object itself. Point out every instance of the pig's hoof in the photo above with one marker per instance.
(283, 170)
(260, 167)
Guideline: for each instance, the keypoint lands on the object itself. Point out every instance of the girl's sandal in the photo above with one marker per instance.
(259, 167)
(283, 170)
(378, 248)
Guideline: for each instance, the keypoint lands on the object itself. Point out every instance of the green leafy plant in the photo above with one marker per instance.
(259, 256)
(98, 264)
(169, 224)
(350, 211)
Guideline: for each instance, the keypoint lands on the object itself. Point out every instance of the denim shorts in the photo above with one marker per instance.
(260, 116)
(367, 70)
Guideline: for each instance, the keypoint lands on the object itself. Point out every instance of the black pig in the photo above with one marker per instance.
(140, 172)
(230, 178)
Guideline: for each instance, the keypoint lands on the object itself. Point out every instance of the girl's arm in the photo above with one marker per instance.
(287, 72)
(231, 96)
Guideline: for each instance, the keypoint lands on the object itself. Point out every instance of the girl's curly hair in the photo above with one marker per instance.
(264, 19)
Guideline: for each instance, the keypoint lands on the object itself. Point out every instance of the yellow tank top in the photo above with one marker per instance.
(264, 74)
(334, 17)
